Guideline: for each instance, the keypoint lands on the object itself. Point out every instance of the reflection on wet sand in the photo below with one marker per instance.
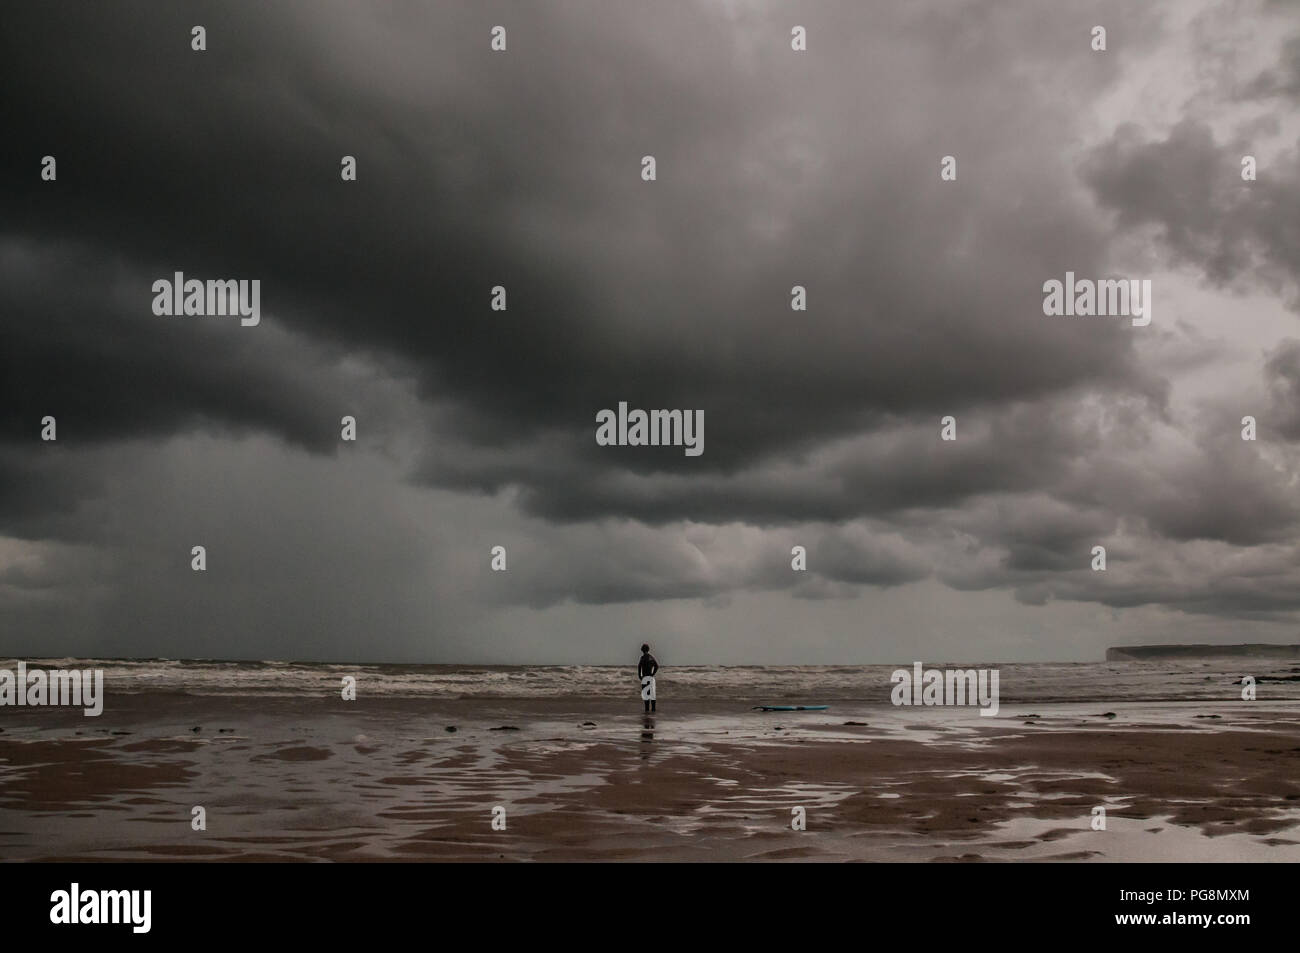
(306, 779)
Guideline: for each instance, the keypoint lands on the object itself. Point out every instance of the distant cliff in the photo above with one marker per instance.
(1136, 653)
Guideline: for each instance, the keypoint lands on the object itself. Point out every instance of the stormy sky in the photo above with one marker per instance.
(476, 428)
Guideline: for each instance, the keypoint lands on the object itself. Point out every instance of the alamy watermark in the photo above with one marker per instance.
(37, 687)
(654, 428)
(74, 906)
(211, 298)
(934, 686)
(1109, 296)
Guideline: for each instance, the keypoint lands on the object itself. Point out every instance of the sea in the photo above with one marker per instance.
(1171, 680)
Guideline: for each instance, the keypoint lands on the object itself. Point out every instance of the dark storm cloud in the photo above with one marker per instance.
(1282, 373)
(522, 169)
(1225, 491)
(1045, 535)
(41, 492)
(1190, 187)
(81, 344)
(868, 556)
(896, 468)
(1217, 582)
(1041, 549)
(627, 561)
(1282, 79)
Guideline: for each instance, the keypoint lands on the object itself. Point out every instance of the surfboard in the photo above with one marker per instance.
(790, 707)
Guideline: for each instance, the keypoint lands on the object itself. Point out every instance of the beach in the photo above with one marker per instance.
(285, 771)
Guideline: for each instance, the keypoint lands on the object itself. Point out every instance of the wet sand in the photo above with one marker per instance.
(322, 779)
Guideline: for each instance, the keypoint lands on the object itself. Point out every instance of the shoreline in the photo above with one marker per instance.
(383, 779)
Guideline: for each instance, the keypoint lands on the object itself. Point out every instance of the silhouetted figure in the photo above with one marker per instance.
(645, 671)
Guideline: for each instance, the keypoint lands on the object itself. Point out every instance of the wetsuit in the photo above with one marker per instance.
(647, 668)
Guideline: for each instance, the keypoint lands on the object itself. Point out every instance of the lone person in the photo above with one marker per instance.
(645, 671)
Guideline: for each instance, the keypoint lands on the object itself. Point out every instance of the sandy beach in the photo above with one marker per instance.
(583, 778)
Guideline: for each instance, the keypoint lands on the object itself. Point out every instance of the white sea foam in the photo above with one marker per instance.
(1096, 683)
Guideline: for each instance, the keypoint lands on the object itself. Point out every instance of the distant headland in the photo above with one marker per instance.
(1136, 653)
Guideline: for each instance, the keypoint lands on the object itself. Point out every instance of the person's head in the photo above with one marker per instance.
(645, 650)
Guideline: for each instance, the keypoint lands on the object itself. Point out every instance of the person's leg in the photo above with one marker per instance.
(652, 705)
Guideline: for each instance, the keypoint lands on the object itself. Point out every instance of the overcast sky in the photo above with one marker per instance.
(476, 428)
